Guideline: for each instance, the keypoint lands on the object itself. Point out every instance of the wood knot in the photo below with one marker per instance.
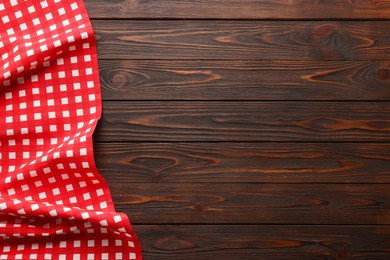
(119, 80)
(383, 74)
(157, 179)
(199, 208)
(324, 30)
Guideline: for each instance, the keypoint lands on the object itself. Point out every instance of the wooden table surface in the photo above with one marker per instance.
(250, 129)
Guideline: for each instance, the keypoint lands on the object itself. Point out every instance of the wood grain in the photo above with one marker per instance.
(237, 40)
(243, 9)
(244, 80)
(244, 121)
(263, 242)
(244, 162)
(254, 203)
(251, 129)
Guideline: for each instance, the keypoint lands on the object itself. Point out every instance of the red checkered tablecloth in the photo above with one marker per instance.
(53, 202)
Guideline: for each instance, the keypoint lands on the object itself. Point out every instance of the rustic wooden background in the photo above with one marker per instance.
(247, 129)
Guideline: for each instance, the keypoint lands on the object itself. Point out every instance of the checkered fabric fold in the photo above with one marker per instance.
(53, 202)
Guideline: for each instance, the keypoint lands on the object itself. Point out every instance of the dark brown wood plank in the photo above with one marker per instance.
(244, 162)
(243, 9)
(244, 121)
(244, 80)
(237, 40)
(263, 242)
(253, 203)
